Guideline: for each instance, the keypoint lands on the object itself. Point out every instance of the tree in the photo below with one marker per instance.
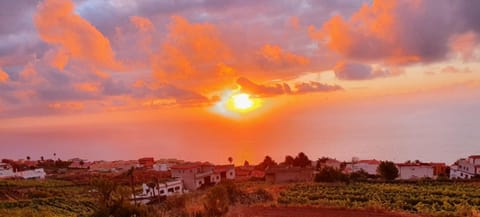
(301, 160)
(289, 160)
(230, 159)
(387, 170)
(246, 163)
(28, 157)
(42, 158)
(130, 173)
(267, 162)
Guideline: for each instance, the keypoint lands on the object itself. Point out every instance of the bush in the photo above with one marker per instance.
(329, 174)
(217, 201)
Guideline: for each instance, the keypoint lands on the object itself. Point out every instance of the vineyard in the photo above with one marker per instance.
(44, 198)
(422, 198)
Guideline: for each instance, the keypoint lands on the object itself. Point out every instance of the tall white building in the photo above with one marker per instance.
(465, 168)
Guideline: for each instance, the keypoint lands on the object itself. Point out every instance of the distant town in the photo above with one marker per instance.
(181, 176)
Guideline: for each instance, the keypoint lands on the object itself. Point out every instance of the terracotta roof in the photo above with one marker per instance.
(188, 166)
(414, 164)
(223, 168)
(369, 161)
(474, 156)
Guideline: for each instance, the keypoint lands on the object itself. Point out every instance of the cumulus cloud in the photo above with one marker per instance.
(358, 71)
(399, 31)
(191, 54)
(59, 25)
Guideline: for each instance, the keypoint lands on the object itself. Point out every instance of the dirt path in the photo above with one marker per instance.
(307, 212)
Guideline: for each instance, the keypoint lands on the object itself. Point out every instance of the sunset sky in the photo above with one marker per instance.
(209, 79)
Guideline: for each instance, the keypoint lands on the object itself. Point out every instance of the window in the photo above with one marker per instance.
(162, 191)
(177, 188)
(170, 190)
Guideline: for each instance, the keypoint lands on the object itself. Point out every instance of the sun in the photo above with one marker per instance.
(242, 101)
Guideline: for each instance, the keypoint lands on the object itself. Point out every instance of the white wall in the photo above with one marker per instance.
(369, 168)
(415, 172)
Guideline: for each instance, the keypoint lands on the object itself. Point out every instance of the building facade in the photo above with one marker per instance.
(409, 171)
(466, 168)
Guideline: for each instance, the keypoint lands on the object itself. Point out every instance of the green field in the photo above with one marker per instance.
(44, 198)
(444, 199)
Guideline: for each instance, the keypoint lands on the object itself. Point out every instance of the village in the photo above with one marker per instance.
(180, 176)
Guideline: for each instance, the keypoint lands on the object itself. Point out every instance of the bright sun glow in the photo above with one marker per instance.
(242, 101)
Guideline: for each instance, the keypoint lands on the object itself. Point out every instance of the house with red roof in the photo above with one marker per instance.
(195, 175)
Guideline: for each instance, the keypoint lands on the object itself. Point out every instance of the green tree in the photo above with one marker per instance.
(387, 170)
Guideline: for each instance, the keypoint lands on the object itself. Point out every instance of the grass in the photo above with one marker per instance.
(439, 199)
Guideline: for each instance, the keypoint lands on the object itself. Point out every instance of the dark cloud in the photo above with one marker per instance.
(279, 89)
(357, 71)
(313, 86)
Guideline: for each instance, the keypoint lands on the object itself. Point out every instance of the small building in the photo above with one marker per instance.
(195, 175)
(163, 167)
(146, 162)
(226, 172)
(32, 174)
(6, 171)
(369, 166)
(288, 174)
(78, 163)
(416, 170)
(328, 162)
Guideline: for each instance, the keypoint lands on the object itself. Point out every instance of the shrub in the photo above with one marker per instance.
(217, 201)
(387, 170)
(329, 174)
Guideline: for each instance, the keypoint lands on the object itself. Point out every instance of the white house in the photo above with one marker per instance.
(415, 170)
(369, 166)
(6, 171)
(226, 172)
(32, 174)
(333, 163)
(465, 168)
(161, 167)
(165, 189)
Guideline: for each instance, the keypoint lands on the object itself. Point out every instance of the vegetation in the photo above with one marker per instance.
(387, 170)
(454, 199)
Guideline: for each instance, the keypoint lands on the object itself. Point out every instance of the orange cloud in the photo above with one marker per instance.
(57, 58)
(57, 24)
(465, 44)
(87, 87)
(275, 54)
(67, 106)
(397, 32)
(142, 23)
(3, 76)
(193, 55)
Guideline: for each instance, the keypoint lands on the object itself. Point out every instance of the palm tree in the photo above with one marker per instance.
(132, 184)
(42, 158)
(28, 157)
(230, 159)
